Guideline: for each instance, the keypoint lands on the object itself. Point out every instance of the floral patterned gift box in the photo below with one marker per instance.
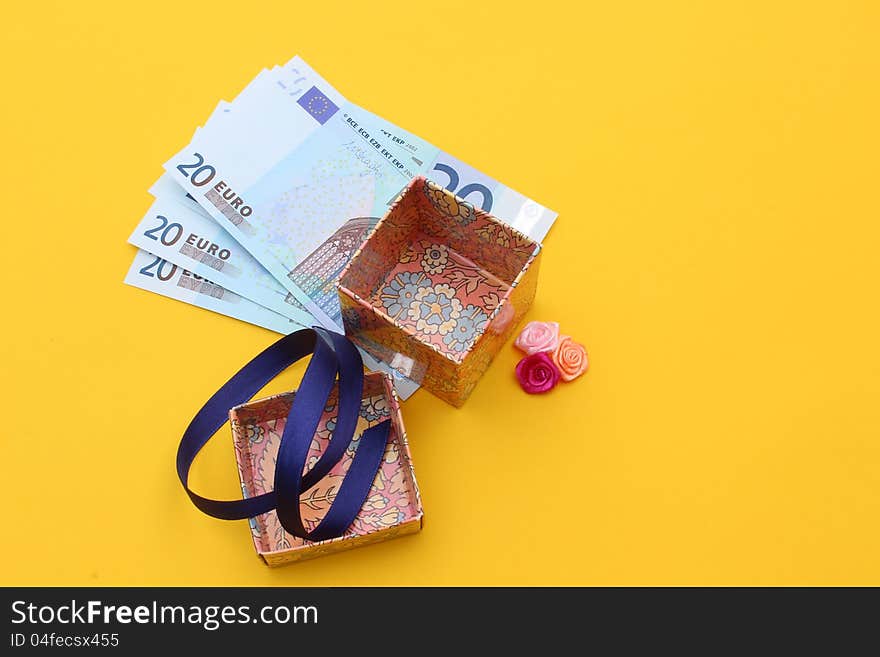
(437, 288)
(393, 506)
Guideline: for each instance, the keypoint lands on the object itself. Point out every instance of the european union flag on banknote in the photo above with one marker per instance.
(318, 105)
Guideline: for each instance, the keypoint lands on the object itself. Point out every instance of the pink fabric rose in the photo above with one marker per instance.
(570, 358)
(536, 373)
(538, 336)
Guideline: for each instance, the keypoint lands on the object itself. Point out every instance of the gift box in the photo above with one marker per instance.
(437, 288)
(392, 508)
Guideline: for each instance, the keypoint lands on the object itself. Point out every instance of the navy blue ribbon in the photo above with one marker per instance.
(334, 355)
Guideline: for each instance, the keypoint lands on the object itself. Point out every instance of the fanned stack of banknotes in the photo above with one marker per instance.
(256, 217)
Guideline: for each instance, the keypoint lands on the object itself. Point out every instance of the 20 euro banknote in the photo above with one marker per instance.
(154, 274)
(176, 230)
(283, 172)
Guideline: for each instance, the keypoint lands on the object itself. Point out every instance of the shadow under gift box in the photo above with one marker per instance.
(392, 508)
(437, 288)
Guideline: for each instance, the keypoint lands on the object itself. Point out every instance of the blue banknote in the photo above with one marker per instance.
(293, 161)
(152, 273)
(155, 274)
(177, 230)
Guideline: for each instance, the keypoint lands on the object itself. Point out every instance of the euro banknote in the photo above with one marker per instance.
(319, 283)
(283, 171)
(155, 274)
(178, 231)
(234, 268)
(152, 273)
(165, 188)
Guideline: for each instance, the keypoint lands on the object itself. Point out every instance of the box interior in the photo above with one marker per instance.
(439, 269)
(257, 429)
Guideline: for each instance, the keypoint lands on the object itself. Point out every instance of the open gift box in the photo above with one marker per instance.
(392, 508)
(437, 288)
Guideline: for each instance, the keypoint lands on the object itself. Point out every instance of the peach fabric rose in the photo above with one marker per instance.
(538, 336)
(570, 358)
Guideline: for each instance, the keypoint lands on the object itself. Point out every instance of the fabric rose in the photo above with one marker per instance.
(536, 373)
(538, 336)
(570, 358)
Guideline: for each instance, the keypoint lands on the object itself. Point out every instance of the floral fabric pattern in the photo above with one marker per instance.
(374, 408)
(446, 202)
(450, 308)
(435, 309)
(469, 326)
(401, 291)
(435, 258)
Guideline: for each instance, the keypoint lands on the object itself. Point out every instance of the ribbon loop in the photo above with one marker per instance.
(333, 355)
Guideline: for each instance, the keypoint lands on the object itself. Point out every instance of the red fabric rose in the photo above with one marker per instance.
(537, 373)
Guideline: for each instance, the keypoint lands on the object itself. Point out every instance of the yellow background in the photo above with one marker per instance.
(714, 166)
